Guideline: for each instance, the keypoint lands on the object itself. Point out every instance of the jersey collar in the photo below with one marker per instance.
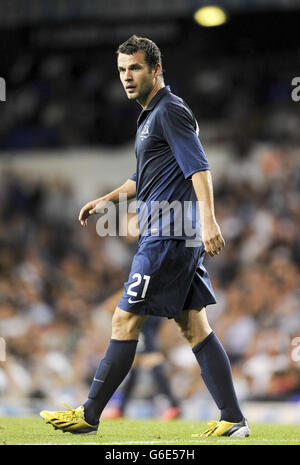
(163, 91)
(157, 97)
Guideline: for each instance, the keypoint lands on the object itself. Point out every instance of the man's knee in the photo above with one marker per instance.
(194, 326)
(126, 325)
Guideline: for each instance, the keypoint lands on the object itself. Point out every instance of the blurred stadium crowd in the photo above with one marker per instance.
(56, 275)
(65, 100)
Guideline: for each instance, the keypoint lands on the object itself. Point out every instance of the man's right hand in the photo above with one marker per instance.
(89, 209)
(95, 206)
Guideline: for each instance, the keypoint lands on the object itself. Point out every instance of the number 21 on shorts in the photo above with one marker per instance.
(138, 279)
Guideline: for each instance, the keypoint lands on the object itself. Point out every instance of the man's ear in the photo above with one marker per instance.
(157, 70)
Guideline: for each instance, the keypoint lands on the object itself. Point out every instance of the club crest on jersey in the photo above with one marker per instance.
(145, 132)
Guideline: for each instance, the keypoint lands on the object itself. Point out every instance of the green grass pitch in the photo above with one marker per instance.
(21, 431)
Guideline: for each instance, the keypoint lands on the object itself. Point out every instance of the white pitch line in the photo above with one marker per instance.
(195, 442)
(204, 441)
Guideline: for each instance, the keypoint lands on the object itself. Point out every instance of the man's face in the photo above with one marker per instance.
(136, 76)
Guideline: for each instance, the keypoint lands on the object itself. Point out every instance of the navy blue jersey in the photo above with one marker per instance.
(168, 152)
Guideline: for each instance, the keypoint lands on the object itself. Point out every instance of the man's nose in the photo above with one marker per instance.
(128, 75)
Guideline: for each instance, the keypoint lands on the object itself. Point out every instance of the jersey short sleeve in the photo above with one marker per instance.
(180, 131)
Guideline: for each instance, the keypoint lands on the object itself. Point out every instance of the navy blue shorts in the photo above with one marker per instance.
(149, 335)
(166, 277)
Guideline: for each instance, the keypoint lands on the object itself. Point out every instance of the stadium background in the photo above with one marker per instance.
(66, 136)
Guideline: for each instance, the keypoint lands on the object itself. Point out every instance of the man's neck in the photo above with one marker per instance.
(160, 84)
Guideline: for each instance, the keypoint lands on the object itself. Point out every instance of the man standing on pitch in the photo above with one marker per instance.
(167, 276)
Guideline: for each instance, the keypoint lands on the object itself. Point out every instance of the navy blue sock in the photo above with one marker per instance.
(216, 373)
(109, 375)
(164, 383)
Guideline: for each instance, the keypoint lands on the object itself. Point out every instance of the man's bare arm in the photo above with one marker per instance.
(93, 207)
(211, 234)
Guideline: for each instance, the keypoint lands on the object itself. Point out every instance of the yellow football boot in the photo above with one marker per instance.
(225, 428)
(71, 420)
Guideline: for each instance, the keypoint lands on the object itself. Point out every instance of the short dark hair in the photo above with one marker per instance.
(136, 43)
